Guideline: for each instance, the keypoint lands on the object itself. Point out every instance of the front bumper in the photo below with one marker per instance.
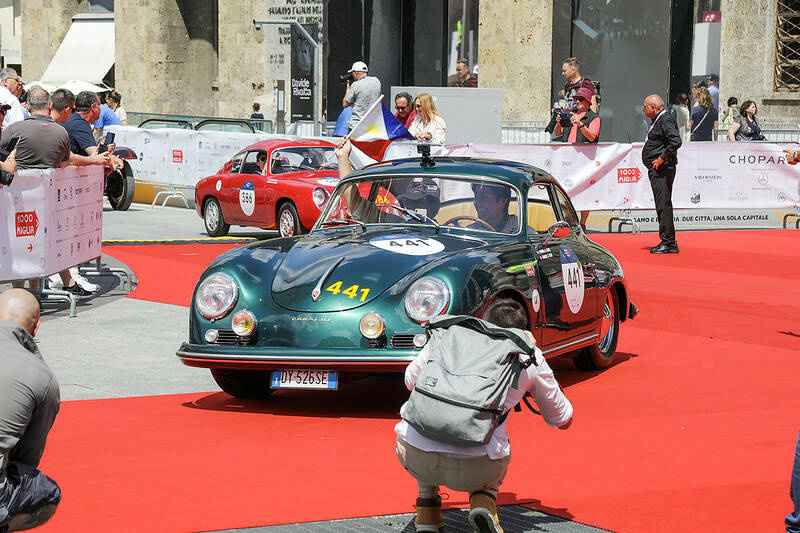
(260, 358)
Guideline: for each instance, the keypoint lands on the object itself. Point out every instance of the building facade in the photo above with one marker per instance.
(205, 57)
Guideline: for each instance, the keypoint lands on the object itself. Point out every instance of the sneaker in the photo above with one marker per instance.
(78, 291)
(83, 282)
(429, 515)
(55, 282)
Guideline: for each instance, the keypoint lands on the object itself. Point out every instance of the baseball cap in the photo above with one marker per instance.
(359, 66)
(584, 93)
(420, 188)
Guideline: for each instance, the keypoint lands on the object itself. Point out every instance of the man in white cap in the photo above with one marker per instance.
(361, 93)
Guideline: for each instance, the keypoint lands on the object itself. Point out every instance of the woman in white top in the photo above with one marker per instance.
(429, 125)
(681, 109)
(113, 100)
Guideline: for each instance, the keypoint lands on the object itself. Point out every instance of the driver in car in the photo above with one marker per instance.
(491, 203)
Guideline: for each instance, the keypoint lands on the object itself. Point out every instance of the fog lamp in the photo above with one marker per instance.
(211, 335)
(243, 323)
(372, 325)
(420, 340)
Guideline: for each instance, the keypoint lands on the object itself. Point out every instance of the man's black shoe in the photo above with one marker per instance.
(78, 291)
(665, 249)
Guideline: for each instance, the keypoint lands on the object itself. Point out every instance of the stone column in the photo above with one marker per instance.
(515, 55)
(166, 56)
(44, 25)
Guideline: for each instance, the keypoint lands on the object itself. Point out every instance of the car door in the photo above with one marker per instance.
(566, 312)
(247, 192)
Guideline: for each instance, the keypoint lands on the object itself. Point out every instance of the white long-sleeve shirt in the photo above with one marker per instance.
(538, 380)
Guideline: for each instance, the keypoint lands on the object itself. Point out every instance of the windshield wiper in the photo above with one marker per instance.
(347, 222)
(419, 216)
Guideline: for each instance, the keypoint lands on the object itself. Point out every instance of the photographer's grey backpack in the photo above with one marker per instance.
(459, 394)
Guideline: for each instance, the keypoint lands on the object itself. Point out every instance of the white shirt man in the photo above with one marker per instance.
(10, 88)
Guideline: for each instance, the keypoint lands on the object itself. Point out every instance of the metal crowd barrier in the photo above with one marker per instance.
(199, 122)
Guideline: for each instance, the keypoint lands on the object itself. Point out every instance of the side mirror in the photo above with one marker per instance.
(559, 229)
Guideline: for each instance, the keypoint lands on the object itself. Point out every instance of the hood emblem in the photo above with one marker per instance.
(316, 294)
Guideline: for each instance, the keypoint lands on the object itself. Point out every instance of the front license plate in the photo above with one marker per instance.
(304, 379)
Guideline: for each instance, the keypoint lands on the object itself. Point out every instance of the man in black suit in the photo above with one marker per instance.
(660, 156)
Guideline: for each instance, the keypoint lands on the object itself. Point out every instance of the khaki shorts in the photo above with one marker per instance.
(468, 474)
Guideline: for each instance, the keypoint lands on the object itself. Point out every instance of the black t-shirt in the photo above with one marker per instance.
(80, 134)
(703, 128)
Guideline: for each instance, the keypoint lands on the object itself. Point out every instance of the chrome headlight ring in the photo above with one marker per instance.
(426, 298)
(216, 295)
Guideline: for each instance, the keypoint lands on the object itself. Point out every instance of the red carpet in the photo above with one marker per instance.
(692, 430)
(167, 273)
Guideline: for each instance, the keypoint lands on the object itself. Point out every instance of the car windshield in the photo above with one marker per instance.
(292, 159)
(466, 203)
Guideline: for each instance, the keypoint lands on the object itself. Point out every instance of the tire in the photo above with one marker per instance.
(243, 383)
(600, 355)
(287, 221)
(120, 187)
(212, 216)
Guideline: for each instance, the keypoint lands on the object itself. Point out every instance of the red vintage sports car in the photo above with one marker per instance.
(274, 184)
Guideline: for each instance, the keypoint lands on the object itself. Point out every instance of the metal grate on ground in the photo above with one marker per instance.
(513, 518)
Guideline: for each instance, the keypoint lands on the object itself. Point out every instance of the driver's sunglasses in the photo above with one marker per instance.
(262, 158)
(399, 107)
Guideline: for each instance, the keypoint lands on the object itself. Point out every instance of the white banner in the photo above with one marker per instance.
(181, 157)
(612, 176)
(53, 220)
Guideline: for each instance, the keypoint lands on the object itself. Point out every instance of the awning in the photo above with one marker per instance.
(86, 53)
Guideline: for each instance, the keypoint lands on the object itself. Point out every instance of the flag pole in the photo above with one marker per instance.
(350, 133)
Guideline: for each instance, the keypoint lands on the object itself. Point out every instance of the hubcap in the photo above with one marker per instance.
(608, 325)
(286, 224)
(212, 216)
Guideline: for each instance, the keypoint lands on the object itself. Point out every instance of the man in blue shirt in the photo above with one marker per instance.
(107, 118)
(79, 124)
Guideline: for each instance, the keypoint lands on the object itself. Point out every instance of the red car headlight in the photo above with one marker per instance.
(320, 197)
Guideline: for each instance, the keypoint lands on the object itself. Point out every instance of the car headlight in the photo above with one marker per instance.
(426, 298)
(372, 325)
(216, 295)
(320, 196)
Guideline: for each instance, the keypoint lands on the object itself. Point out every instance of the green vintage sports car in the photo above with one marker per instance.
(396, 244)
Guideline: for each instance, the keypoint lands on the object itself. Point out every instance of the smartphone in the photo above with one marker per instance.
(12, 143)
(109, 138)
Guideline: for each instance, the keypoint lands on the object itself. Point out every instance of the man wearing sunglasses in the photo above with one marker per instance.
(261, 161)
(404, 110)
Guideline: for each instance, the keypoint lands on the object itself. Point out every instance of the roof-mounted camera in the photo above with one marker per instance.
(427, 161)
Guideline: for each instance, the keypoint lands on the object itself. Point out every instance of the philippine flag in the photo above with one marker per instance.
(375, 132)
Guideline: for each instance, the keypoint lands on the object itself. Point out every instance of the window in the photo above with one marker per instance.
(540, 211)
(787, 46)
(236, 162)
(568, 214)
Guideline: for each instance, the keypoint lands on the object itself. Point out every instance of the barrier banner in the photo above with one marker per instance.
(53, 221)
(612, 176)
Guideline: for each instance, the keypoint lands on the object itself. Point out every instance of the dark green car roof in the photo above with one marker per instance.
(508, 171)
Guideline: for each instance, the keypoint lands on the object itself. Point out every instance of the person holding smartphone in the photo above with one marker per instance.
(581, 125)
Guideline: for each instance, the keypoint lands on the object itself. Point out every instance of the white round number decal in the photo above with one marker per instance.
(536, 301)
(572, 270)
(407, 244)
(247, 198)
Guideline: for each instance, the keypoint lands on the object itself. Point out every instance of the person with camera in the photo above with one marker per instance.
(574, 81)
(582, 125)
(8, 160)
(362, 91)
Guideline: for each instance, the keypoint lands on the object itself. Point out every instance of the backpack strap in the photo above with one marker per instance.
(476, 324)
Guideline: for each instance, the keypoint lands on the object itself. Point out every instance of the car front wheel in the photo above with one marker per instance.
(288, 221)
(215, 222)
(243, 383)
(600, 355)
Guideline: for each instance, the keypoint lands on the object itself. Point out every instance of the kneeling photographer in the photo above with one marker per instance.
(582, 125)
